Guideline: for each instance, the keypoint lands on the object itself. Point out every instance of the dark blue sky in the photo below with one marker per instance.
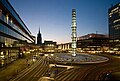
(54, 17)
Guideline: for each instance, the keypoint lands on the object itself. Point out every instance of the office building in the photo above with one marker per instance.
(114, 27)
(93, 43)
(49, 46)
(15, 37)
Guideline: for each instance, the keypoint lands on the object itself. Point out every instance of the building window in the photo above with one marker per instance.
(0, 13)
(118, 20)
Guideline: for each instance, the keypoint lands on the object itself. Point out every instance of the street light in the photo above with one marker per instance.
(3, 58)
(46, 55)
(52, 54)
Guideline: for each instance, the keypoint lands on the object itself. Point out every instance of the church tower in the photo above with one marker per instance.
(39, 38)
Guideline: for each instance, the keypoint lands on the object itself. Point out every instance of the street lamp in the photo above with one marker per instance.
(52, 54)
(3, 60)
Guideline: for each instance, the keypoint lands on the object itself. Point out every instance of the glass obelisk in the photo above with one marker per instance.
(74, 33)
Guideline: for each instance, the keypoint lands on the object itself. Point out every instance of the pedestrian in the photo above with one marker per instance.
(28, 64)
(109, 74)
(26, 60)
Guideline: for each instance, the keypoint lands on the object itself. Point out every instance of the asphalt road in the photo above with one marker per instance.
(34, 72)
(91, 72)
(81, 72)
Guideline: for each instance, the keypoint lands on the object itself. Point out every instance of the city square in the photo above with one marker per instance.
(56, 40)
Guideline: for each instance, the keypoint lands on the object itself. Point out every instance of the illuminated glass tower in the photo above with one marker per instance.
(74, 33)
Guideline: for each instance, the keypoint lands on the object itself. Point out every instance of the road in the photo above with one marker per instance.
(91, 72)
(81, 72)
(113, 65)
(34, 72)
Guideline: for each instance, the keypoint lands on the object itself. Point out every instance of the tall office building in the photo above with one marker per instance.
(74, 33)
(114, 27)
(14, 34)
(39, 38)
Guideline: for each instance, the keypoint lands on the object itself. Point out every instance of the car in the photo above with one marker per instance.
(41, 54)
(34, 57)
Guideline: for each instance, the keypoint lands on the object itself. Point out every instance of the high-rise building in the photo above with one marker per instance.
(39, 38)
(15, 37)
(74, 33)
(114, 27)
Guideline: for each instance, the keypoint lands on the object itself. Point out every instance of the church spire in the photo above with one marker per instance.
(39, 38)
(39, 30)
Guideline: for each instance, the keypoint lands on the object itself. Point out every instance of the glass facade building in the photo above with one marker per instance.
(13, 33)
(114, 27)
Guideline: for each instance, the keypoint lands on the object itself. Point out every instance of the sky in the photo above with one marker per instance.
(54, 17)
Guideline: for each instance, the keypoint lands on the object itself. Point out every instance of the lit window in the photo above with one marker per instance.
(116, 20)
(110, 13)
(0, 12)
(115, 9)
(116, 26)
(11, 21)
(7, 18)
(90, 36)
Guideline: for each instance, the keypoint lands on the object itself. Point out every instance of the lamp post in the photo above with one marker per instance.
(3, 59)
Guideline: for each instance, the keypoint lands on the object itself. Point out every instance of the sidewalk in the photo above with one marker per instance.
(11, 70)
